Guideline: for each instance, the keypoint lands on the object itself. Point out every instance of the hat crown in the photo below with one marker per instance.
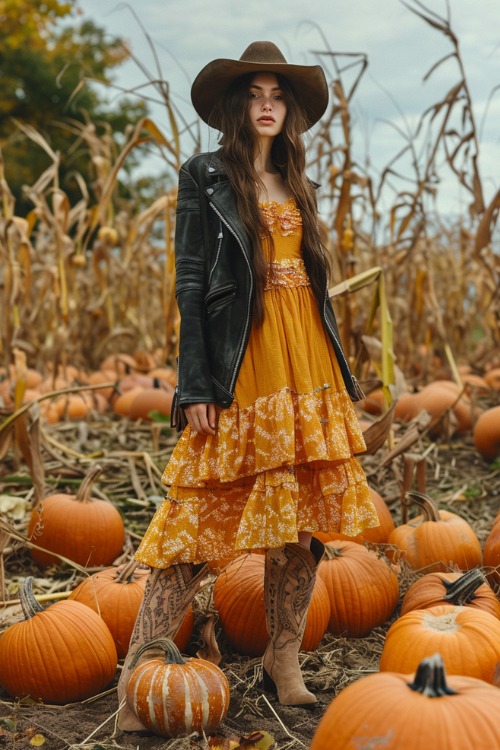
(263, 53)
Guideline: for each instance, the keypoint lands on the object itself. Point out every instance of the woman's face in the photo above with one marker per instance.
(266, 106)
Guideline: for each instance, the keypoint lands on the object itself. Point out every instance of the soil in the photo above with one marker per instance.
(132, 456)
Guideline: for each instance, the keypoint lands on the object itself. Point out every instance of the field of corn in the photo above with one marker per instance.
(88, 341)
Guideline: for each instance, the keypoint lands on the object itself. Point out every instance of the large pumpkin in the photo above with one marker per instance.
(437, 538)
(61, 654)
(86, 530)
(176, 696)
(362, 588)
(116, 595)
(239, 600)
(467, 639)
(376, 535)
(468, 589)
(392, 711)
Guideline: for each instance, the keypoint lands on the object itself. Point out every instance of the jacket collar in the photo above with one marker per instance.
(214, 166)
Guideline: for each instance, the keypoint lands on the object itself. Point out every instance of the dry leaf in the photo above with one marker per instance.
(258, 739)
(13, 506)
(37, 740)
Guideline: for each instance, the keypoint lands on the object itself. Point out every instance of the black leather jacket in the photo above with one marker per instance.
(215, 288)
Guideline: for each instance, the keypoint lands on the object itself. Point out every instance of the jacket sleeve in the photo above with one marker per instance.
(194, 383)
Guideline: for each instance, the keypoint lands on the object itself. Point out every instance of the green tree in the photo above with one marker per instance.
(42, 64)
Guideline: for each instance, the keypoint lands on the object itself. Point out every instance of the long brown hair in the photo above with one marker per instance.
(288, 155)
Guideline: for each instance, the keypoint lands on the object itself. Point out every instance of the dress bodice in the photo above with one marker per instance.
(285, 225)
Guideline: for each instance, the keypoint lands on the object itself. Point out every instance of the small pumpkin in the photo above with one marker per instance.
(467, 639)
(437, 538)
(116, 595)
(468, 589)
(122, 401)
(396, 711)
(73, 406)
(362, 588)
(487, 434)
(175, 696)
(99, 377)
(86, 530)
(450, 410)
(58, 655)
(239, 600)
(152, 400)
(166, 373)
(120, 362)
(492, 377)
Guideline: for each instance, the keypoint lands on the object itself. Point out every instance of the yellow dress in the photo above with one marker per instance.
(282, 460)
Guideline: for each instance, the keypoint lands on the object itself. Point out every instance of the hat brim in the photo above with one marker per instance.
(212, 82)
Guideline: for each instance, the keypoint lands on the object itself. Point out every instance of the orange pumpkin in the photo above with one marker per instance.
(151, 400)
(166, 373)
(450, 411)
(437, 538)
(73, 405)
(103, 376)
(362, 588)
(61, 654)
(120, 362)
(176, 696)
(487, 434)
(116, 595)
(86, 530)
(376, 535)
(463, 589)
(467, 639)
(121, 403)
(492, 377)
(239, 600)
(397, 712)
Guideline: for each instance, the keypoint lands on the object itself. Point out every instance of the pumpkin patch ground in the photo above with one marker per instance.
(132, 456)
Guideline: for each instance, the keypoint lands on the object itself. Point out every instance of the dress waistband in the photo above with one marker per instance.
(289, 272)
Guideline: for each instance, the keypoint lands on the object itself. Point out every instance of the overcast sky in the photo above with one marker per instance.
(400, 48)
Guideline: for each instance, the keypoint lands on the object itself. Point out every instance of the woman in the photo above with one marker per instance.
(264, 388)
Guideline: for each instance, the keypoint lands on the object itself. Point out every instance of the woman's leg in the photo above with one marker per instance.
(167, 596)
(290, 572)
(305, 538)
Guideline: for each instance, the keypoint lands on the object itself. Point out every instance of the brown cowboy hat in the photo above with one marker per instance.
(212, 82)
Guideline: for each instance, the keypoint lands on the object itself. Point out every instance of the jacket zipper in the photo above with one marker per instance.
(219, 245)
(240, 351)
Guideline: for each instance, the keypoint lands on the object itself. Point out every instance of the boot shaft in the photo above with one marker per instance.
(290, 574)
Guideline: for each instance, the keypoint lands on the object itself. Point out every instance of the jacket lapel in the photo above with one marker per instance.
(220, 193)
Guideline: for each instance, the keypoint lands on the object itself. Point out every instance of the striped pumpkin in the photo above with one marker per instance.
(176, 696)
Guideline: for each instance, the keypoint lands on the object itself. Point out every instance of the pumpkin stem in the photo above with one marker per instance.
(430, 678)
(462, 590)
(172, 653)
(428, 506)
(29, 604)
(126, 574)
(332, 552)
(83, 494)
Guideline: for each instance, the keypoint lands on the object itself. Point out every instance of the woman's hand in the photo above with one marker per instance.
(202, 417)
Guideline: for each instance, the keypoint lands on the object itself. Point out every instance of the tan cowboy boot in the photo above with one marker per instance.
(167, 596)
(290, 572)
